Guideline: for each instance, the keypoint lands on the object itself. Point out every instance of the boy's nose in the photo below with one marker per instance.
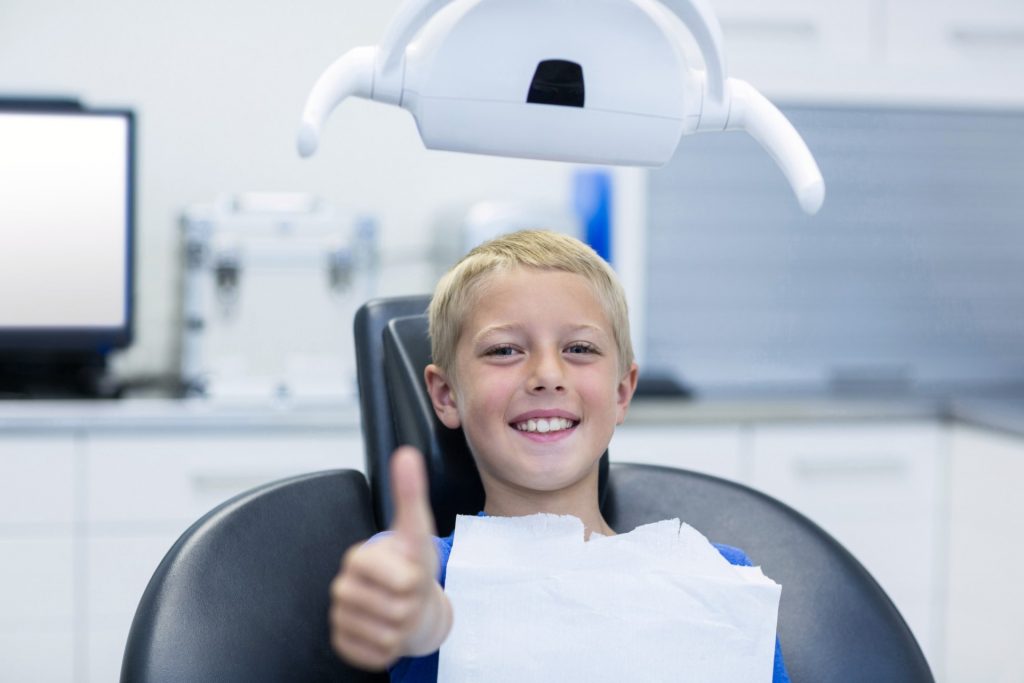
(547, 373)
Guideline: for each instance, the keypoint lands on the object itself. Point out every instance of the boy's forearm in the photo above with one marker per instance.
(433, 627)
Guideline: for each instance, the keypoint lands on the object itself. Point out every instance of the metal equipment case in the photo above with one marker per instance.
(271, 285)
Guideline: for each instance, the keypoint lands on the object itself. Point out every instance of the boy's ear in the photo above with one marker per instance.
(442, 395)
(627, 385)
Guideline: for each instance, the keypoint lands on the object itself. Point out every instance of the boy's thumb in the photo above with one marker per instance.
(413, 522)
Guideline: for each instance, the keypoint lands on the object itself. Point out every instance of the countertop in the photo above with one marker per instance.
(1002, 414)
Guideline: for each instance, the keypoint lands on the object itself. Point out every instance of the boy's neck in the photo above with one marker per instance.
(586, 510)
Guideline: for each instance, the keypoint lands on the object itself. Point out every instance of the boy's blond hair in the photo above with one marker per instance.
(457, 291)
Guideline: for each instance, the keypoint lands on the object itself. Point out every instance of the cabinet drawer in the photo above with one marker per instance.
(164, 478)
(876, 488)
(712, 450)
(971, 52)
(796, 33)
(36, 584)
(984, 630)
(118, 569)
(40, 655)
(36, 481)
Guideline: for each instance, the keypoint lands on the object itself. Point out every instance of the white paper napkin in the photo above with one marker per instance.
(534, 602)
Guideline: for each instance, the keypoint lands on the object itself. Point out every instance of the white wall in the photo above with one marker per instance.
(218, 88)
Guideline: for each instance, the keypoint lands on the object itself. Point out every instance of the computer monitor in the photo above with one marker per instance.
(66, 228)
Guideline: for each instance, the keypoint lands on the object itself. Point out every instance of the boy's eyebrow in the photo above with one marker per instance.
(492, 329)
(516, 327)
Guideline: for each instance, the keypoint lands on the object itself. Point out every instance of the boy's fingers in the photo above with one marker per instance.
(414, 522)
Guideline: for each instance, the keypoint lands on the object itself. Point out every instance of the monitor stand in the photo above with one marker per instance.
(54, 375)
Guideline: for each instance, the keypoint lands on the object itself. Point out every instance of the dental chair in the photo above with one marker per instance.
(243, 595)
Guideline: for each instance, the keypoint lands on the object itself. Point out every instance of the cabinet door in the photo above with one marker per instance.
(38, 608)
(777, 45)
(37, 513)
(968, 50)
(984, 628)
(712, 450)
(117, 570)
(876, 488)
(145, 488)
(37, 482)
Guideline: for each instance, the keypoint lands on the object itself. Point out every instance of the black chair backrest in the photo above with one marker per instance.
(375, 411)
(392, 349)
(243, 595)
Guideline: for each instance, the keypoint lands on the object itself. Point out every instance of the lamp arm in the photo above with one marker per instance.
(351, 74)
(751, 111)
(702, 23)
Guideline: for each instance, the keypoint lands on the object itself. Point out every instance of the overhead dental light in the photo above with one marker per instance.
(590, 81)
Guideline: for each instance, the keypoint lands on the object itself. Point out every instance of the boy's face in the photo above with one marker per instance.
(539, 389)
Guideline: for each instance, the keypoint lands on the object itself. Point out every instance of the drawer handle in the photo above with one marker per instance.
(851, 468)
(987, 37)
(212, 483)
(803, 31)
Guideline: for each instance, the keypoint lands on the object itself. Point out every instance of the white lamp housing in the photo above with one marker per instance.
(589, 81)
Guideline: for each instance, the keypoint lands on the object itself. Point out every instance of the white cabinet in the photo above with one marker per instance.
(974, 51)
(92, 497)
(167, 480)
(87, 513)
(946, 52)
(800, 50)
(877, 488)
(985, 599)
(710, 449)
(987, 35)
(143, 489)
(37, 482)
(795, 32)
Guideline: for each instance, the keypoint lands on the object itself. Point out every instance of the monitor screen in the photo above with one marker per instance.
(66, 214)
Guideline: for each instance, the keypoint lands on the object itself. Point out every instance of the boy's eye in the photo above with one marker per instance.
(580, 347)
(503, 350)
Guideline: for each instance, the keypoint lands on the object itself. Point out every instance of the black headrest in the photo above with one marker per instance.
(455, 486)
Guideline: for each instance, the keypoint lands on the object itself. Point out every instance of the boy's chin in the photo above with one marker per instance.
(556, 480)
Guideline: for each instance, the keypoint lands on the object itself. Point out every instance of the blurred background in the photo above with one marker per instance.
(866, 364)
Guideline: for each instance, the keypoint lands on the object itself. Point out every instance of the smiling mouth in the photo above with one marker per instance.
(545, 425)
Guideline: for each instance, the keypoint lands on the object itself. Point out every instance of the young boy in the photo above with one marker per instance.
(532, 359)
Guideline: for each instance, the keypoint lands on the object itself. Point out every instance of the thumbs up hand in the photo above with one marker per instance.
(386, 602)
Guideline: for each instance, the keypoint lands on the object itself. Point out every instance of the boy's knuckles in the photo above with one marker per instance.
(385, 638)
(341, 587)
(404, 611)
(363, 655)
(351, 555)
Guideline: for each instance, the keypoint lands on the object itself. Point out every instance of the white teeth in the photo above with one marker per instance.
(544, 426)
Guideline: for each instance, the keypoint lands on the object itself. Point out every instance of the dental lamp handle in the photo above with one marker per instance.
(352, 74)
(751, 111)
